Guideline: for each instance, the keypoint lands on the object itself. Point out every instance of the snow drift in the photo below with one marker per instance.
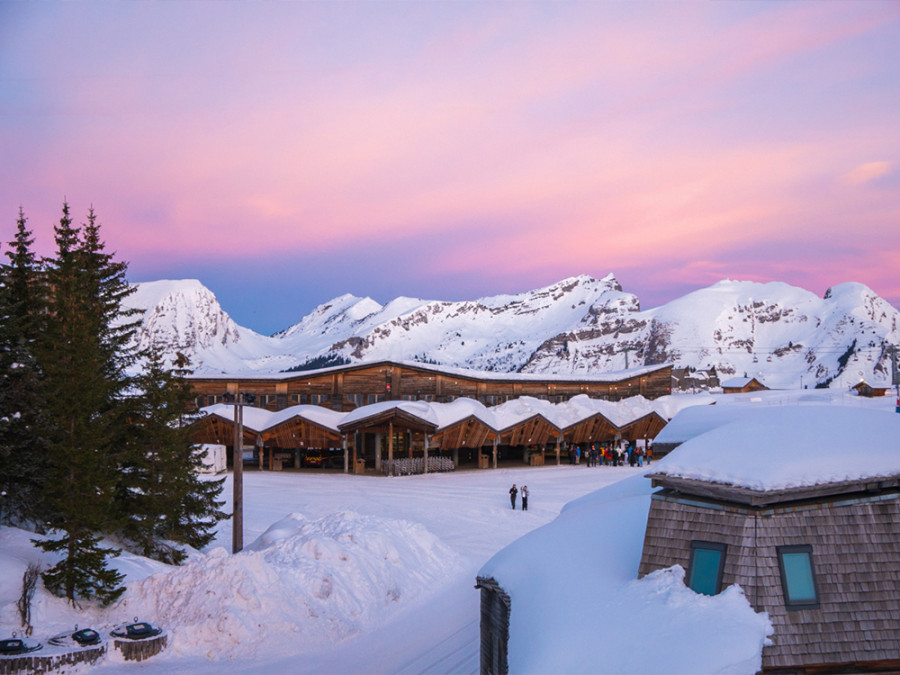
(302, 585)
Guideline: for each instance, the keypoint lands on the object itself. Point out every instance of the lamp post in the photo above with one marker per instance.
(237, 516)
(895, 376)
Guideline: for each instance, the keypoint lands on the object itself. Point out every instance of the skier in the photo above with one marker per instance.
(524, 497)
(513, 491)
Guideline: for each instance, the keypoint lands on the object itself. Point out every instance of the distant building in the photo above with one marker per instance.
(689, 379)
(800, 506)
(870, 390)
(742, 385)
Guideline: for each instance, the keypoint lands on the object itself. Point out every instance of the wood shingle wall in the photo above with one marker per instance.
(855, 542)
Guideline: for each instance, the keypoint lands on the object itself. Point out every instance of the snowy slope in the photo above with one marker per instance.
(581, 325)
(773, 331)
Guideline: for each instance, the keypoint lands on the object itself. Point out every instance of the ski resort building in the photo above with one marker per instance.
(872, 390)
(742, 385)
(418, 436)
(800, 506)
(691, 379)
(344, 388)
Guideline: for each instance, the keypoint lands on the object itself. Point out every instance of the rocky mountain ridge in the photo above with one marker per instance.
(581, 325)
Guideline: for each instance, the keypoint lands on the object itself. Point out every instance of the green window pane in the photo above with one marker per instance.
(798, 577)
(705, 571)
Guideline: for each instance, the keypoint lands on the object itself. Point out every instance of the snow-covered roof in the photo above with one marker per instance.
(420, 409)
(498, 418)
(255, 419)
(777, 448)
(260, 419)
(517, 410)
(875, 384)
(316, 414)
(611, 376)
(451, 413)
(697, 420)
(738, 382)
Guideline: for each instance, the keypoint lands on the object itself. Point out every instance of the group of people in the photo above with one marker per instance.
(513, 493)
(596, 454)
(611, 454)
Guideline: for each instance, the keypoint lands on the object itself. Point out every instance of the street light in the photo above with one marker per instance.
(237, 522)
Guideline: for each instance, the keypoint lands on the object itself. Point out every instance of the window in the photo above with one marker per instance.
(798, 578)
(706, 567)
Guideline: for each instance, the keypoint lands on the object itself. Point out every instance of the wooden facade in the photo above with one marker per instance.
(495, 608)
(346, 388)
(742, 385)
(868, 390)
(470, 432)
(852, 531)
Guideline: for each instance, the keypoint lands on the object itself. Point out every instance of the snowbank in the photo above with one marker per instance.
(302, 585)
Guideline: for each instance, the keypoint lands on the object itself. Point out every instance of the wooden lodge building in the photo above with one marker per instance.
(742, 385)
(344, 388)
(367, 417)
(444, 435)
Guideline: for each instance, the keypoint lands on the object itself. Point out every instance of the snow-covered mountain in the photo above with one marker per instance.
(580, 325)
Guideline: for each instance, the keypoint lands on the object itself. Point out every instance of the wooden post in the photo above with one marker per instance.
(237, 518)
(455, 455)
(378, 440)
(496, 443)
(390, 448)
(426, 453)
(409, 442)
(558, 443)
(346, 454)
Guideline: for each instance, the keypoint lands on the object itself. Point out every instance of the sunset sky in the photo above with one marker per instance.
(287, 152)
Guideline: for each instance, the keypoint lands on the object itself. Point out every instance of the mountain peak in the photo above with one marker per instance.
(579, 325)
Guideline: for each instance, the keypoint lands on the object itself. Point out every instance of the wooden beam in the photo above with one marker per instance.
(390, 448)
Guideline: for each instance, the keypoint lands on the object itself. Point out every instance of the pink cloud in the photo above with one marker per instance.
(865, 173)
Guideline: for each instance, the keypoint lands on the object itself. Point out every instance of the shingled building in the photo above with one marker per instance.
(801, 507)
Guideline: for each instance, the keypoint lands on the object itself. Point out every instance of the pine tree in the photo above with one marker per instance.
(22, 449)
(162, 495)
(84, 383)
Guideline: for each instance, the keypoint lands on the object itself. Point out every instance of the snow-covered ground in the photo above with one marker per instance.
(371, 574)
(353, 574)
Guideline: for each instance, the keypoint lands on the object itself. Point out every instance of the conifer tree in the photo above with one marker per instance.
(22, 447)
(83, 385)
(163, 497)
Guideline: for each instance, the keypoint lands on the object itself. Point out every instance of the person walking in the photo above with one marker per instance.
(513, 491)
(524, 497)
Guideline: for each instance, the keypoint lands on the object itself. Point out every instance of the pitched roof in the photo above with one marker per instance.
(738, 382)
(786, 447)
